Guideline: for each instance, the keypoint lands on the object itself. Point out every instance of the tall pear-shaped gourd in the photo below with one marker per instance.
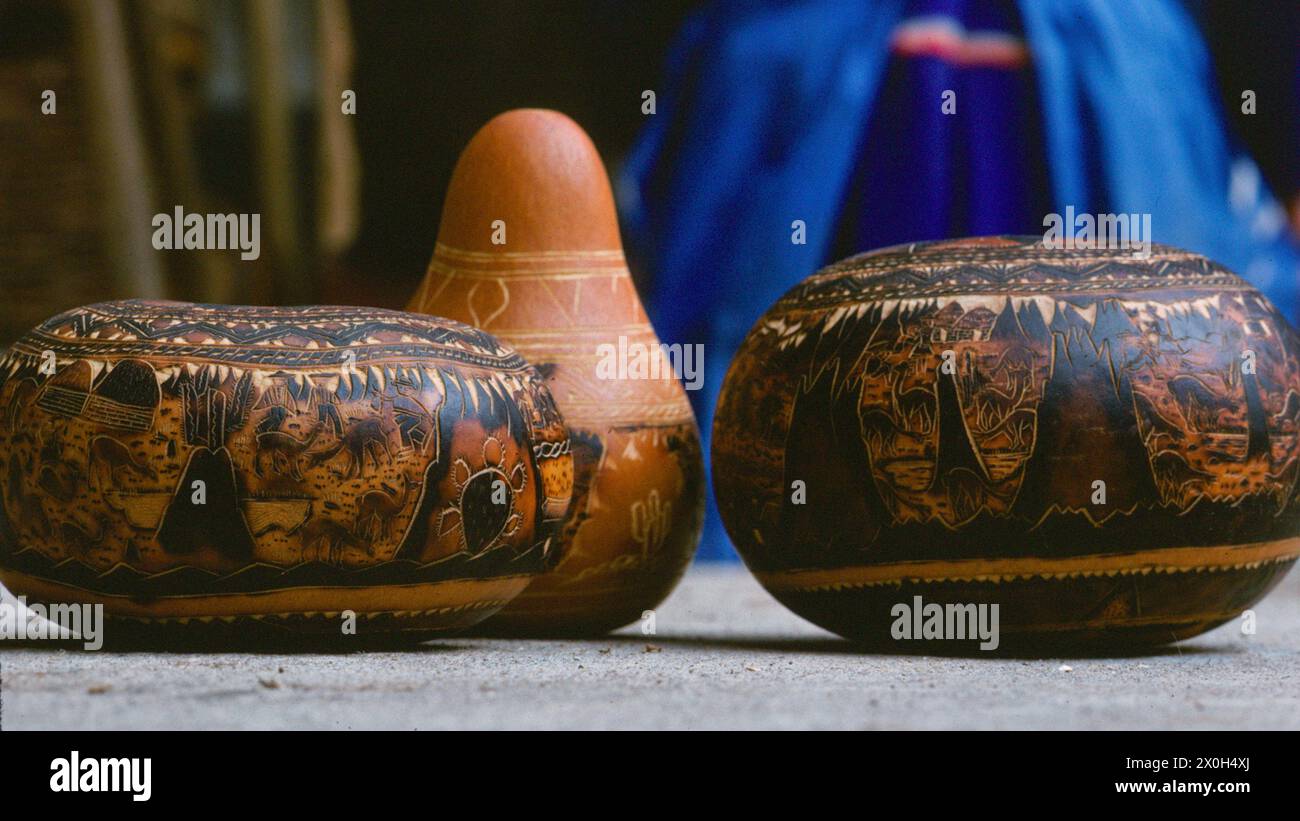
(529, 249)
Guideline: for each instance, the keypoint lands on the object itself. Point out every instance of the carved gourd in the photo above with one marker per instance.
(1103, 445)
(529, 249)
(275, 467)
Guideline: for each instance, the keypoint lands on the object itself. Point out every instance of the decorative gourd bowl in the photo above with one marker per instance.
(1104, 446)
(265, 468)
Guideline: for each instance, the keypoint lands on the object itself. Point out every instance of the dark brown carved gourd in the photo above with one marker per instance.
(275, 466)
(1105, 446)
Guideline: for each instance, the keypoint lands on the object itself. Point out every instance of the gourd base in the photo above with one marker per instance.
(549, 608)
(1040, 615)
(384, 615)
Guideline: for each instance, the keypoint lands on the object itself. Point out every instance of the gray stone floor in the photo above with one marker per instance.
(725, 656)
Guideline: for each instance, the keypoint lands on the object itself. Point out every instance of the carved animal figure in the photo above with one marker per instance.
(375, 512)
(54, 475)
(1175, 477)
(49, 445)
(284, 450)
(60, 480)
(20, 503)
(321, 535)
(78, 539)
(108, 457)
(1199, 404)
(367, 437)
(1156, 427)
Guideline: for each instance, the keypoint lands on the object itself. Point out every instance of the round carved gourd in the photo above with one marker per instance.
(273, 467)
(529, 249)
(1103, 446)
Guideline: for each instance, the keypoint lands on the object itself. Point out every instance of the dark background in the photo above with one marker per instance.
(427, 75)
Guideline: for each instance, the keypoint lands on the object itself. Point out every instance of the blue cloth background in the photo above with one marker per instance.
(773, 112)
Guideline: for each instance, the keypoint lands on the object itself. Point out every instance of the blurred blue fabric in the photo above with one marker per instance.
(827, 112)
(1134, 125)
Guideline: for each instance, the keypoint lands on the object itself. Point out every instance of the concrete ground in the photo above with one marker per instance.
(725, 655)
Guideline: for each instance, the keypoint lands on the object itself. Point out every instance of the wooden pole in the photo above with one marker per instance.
(216, 281)
(119, 147)
(274, 147)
